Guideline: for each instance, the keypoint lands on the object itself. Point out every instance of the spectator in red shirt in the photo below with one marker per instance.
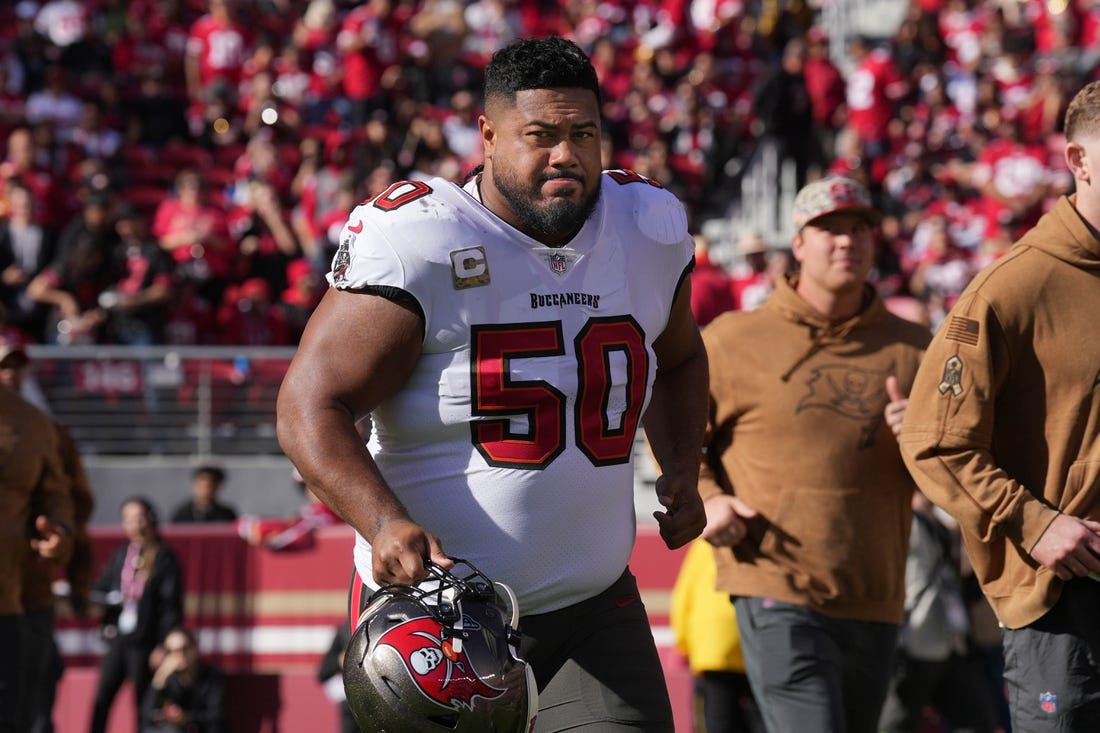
(263, 236)
(303, 293)
(195, 232)
(1014, 180)
(369, 44)
(711, 285)
(136, 302)
(314, 36)
(290, 533)
(249, 317)
(752, 281)
(873, 90)
(316, 183)
(20, 165)
(826, 87)
(136, 51)
(316, 29)
(217, 47)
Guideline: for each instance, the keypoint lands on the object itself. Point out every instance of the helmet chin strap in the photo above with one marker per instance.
(513, 604)
(456, 638)
(528, 672)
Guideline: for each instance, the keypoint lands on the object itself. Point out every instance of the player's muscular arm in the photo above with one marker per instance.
(675, 421)
(357, 350)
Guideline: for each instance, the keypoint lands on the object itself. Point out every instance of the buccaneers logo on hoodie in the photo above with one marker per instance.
(442, 674)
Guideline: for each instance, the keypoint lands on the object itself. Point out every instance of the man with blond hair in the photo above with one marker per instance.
(1003, 431)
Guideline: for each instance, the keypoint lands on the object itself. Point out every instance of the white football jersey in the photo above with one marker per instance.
(513, 438)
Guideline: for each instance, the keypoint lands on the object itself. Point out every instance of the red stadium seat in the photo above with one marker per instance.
(145, 196)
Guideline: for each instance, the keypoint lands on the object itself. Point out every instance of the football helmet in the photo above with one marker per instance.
(440, 656)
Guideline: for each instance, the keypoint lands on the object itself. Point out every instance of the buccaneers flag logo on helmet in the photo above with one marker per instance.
(438, 670)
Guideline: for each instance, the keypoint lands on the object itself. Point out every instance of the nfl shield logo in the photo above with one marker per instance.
(558, 263)
(1048, 701)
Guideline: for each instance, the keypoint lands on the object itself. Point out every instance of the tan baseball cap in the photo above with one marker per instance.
(751, 242)
(830, 195)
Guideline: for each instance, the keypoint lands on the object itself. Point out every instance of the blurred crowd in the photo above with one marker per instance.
(177, 171)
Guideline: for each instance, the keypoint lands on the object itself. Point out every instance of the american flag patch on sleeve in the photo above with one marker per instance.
(963, 330)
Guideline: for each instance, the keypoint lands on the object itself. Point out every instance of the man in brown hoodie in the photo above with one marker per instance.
(41, 658)
(1003, 432)
(35, 519)
(806, 495)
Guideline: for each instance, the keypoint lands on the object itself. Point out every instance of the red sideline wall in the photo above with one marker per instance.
(266, 617)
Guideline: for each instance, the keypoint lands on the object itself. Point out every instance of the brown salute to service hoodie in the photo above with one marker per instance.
(1003, 425)
(32, 483)
(796, 430)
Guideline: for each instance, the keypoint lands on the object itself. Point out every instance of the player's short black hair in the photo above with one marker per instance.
(539, 63)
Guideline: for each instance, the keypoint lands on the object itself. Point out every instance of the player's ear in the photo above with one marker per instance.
(488, 134)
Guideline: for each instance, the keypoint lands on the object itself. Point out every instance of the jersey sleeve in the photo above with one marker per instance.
(365, 257)
(654, 220)
(390, 251)
(652, 208)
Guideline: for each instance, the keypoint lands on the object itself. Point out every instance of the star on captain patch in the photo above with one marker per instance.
(952, 376)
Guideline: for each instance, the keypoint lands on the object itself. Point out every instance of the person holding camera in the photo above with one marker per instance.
(186, 694)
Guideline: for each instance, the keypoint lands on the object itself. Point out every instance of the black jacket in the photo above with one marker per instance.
(160, 608)
(203, 702)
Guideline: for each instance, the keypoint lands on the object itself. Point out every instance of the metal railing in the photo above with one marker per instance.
(194, 401)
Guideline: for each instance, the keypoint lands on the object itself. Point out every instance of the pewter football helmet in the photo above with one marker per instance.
(440, 657)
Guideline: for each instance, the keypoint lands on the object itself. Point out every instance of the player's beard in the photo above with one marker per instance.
(552, 218)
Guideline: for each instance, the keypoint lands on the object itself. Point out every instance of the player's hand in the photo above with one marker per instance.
(399, 549)
(895, 408)
(53, 540)
(683, 517)
(1070, 547)
(727, 520)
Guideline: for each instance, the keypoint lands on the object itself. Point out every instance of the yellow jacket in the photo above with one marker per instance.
(702, 618)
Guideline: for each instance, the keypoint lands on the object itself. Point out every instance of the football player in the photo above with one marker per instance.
(507, 338)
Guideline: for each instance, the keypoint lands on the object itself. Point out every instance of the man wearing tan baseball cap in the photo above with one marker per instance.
(806, 495)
